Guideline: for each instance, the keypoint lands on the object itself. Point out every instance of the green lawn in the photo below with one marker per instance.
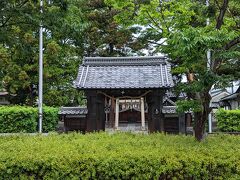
(119, 156)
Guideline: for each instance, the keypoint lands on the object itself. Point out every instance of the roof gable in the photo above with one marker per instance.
(219, 96)
(124, 72)
(238, 90)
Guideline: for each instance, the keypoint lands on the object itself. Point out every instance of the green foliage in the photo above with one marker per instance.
(63, 23)
(186, 38)
(119, 156)
(50, 118)
(188, 105)
(105, 37)
(228, 120)
(72, 29)
(17, 119)
(14, 119)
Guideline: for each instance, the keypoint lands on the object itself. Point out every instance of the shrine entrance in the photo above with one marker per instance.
(124, 92)
(130, 114)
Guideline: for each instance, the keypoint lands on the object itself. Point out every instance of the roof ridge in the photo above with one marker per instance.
(121, 61)
(73, 107)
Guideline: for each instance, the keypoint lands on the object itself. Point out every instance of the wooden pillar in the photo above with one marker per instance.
(92, 110)
(155, 101)
(150, 109)
(188, 120)
(100, 121)
(105, 110)
(112, 113)
(182, 123)
(96, 115)
(117, 114)
(142, 114)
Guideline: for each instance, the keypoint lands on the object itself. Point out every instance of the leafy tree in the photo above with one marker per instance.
(72, 29)
(104, 36)
(63, 27)
(182, 25)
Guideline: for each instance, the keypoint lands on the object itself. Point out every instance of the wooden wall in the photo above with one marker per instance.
(75, 124)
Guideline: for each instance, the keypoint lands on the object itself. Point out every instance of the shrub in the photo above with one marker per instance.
(14, 119)
(119, 156)
(228, 120)
(50, 115)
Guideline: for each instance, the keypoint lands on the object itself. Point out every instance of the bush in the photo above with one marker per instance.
(14, 119)
(50, 121)
(228, 120)
(119, 156)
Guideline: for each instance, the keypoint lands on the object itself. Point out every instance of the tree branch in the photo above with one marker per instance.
(154, 22)
(9, 18)
(217, 4)
(232, 43)
(217, 62)
(152, 42)
(6, 21)
(221, 14)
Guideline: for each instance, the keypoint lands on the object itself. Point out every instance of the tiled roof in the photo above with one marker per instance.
(170, 93)
(230, 97)
(167, 100)
(238, 90)
(169, 109)
(73, 110)
(124, 72)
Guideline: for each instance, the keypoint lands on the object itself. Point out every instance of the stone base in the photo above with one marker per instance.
(129, 127)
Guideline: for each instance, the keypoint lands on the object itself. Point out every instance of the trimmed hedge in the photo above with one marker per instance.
(228, 120)
(14, 119)
(119, 156)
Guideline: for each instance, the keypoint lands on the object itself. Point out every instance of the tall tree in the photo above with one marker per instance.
(104, 36)
(182, 25)
(72, 29)
(63, 24)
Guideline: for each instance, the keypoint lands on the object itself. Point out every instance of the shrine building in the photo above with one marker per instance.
(125, 93)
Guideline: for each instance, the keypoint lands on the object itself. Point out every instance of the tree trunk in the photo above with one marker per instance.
(200, 118)
(200, 121)
(111, 46)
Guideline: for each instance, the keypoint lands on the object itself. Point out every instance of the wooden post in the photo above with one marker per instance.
(182, 123)
(142, 114)
(112, 113)
(155, 116)
(100, 123)
(106, 116)
(117, 114)
(92, 111)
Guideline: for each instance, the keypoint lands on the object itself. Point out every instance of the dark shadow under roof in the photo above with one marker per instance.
(124, 72)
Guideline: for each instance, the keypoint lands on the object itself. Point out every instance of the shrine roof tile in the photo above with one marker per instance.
(73, 111)
(124, 72)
